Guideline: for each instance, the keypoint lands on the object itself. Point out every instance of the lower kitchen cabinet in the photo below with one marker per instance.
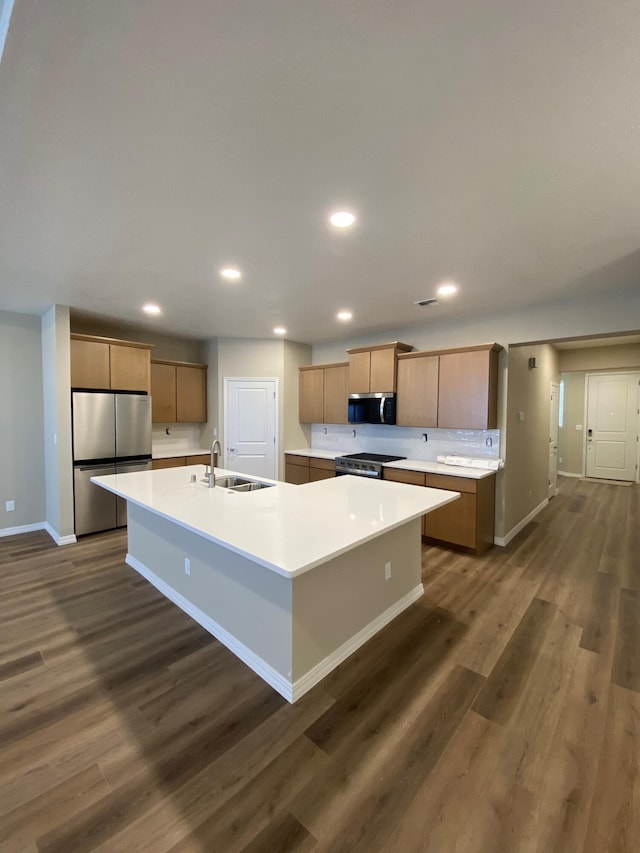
(468, 522)
(296, 469)
(307, 469)
(180, 461)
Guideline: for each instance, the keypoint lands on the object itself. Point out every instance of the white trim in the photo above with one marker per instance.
(504, 540)
(22, 528)
(276, 418)
(569, 474)
(59, 540)
(322, 669)
(291, 691)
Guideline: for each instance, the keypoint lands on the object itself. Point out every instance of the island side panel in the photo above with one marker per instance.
(249, 602)
(337, 606)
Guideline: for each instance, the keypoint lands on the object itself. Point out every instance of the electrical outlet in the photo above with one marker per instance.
(425, 436)
(10, 506)
(387, 571)
(187, 566)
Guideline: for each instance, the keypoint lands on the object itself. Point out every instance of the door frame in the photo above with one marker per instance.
(276, 414)
(553, 384)
(614, 372)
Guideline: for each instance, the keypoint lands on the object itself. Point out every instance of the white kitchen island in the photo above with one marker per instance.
(292, 579)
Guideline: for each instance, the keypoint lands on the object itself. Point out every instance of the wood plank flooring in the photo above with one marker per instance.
(499, 713)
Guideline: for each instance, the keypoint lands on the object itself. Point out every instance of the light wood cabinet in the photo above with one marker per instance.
(202, 459)
(467, 522)
(179, 392)
(307, 469)
(324, 394)
(172, 462)
(449, 389)
(468, 388)
(181, 461)
(311, 401)
(373, 369)
(417, 402)
(296, 469)
(107, 364)
(336, 393)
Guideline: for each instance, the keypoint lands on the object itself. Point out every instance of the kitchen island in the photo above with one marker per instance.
(291, 579)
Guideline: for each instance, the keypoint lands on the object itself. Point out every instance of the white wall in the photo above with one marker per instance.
(56, 378)
(22, 468)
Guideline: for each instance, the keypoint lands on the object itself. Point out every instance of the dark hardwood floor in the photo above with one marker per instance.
(500, 713)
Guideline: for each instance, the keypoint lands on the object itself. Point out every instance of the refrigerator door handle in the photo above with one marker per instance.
(94, 467)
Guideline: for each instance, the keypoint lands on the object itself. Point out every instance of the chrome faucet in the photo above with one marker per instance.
(211, 477)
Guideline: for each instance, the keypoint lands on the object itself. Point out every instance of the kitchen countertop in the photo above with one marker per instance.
(286, 528)
(421, 465)
(173, 454)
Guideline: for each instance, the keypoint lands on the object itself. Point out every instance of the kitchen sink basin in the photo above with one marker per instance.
(239, 484)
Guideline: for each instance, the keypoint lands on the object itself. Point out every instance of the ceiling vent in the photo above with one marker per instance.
(424, 302)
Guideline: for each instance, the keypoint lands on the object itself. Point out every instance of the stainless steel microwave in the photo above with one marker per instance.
(379, 408)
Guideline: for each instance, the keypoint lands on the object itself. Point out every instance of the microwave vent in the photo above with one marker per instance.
(424, 302)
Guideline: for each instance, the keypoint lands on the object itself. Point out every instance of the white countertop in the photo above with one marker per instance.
(288, 529)
(440, 468)
(173, 454)
(406, 464)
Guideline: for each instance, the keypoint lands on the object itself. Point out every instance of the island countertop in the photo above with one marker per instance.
(288, 529)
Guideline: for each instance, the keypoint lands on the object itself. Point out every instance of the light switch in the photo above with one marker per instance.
(579, 427)
(520, 416)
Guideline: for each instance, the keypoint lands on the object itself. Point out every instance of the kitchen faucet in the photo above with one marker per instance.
(211, 477)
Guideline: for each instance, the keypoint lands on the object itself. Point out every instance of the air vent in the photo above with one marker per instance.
(424, 302)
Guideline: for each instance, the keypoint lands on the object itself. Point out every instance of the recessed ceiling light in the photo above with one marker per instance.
(344, 316)
(447, 289)
(279, 330)
(342, 219)
(231, 273)
(150, 308)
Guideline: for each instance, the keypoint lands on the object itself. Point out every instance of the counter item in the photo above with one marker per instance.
(111, 435)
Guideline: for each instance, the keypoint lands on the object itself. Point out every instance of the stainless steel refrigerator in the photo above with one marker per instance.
(111, 435)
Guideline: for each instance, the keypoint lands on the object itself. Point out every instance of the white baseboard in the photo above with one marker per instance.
(22, 528)
(569, 474)
(322, 669)
(59, 540)
(291, 691)
(521, 524)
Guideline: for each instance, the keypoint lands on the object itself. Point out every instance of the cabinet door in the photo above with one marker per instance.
(454, 522)
(359, 370)
(319, 474)
(90, 365)
(130, 368)
(172, 462)
(336, 393)
(383, 370)
(311, 402)
(296, 474)
(412, 478)
(191, 394)
(163, 393)
(466, 394)
(417, 404)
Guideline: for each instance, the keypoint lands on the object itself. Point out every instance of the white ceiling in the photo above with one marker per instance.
(145, 144)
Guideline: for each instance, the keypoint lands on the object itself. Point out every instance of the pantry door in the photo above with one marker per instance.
(251, 426)
(612, 425)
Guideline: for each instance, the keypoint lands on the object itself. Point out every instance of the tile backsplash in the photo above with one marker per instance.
(181, 437)
(406, 441)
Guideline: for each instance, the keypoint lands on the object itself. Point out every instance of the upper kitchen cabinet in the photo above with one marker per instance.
(417, 404)
(179, 392)
(106, 364)
(336, 392)
(373, 369)
(311, 400)
(324, 389)
(468, 388)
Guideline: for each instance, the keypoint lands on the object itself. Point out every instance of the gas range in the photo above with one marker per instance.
(364, 464)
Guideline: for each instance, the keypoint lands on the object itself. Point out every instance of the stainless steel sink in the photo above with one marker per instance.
(239, 484)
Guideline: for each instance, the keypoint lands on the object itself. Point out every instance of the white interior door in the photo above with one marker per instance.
(553, 440)
(612, 426)
(250, 426)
